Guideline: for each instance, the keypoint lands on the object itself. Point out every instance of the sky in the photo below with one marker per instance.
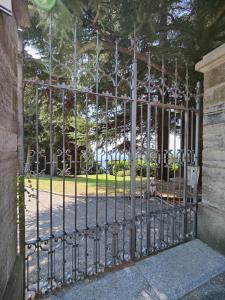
(32, 51)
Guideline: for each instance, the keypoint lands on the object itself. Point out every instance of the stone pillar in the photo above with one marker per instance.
(11, 262)
(211, 213)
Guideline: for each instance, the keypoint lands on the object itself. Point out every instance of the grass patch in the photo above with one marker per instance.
(122, 184)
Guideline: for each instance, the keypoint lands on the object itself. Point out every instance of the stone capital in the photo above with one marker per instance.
(212, 60)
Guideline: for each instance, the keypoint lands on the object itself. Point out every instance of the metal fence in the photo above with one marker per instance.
(115, 177)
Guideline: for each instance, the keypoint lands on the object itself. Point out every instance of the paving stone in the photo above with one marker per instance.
(214, 289)
(176, 272)
(169, 275)
(125, 284)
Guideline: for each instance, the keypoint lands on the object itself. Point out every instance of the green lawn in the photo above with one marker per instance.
(57, 183)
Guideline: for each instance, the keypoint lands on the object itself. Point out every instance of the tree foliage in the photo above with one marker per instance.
(185, 29)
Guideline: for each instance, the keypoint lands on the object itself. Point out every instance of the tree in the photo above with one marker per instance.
(182, 28)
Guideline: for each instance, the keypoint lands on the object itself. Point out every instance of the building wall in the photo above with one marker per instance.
(211, 213)
(11, 271)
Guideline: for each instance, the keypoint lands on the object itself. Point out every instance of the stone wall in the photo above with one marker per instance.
(211, 213)
(11, 275)
(8, 147)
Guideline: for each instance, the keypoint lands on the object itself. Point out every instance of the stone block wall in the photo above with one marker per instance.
(211, 213)
(11, 264)
(8, 147)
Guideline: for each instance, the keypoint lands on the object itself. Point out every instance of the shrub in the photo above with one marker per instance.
(116, 166)
(174, 168)
(119, 167)
(142, 168)
(123, 173)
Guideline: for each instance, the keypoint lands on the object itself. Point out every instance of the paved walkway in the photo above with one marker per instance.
(170, 275)
(214, 289)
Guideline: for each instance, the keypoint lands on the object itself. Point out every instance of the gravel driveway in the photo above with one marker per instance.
(76, 256)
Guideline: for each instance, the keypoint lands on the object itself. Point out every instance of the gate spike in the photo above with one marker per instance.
(176, 77)
(187, 84)
(74, 78)
(163, 78)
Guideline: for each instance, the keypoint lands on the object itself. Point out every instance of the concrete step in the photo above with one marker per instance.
(172, 274)
(214, 289)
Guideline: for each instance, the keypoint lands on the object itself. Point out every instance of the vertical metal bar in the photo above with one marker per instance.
(185, 172)
(156, 143)
(97, 116)
(51, 145)
(64, 173)
(168, 176)
(181, 166)
(175, 130)
(197, 143)
(116, 94)
(192, 131)
(106, 187)
(86, 179)
(115, 236)
(157, 166)
(133, 147)
(20, 112)
(197, 136)
(148, 161)
(191, 126)
(181, 154)
(174, 156)
(141, 174)
(161, 229)
(124, 178)
(37, 187)
(186, 154)
(74, 79)
(75, 145)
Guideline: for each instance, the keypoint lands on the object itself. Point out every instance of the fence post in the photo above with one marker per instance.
(197, 141)
(133, 147)
(197, 138)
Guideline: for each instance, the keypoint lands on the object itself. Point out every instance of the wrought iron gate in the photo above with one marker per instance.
(118, 178)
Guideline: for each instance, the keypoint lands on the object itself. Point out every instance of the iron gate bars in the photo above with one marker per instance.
(133, 148)
(113, 177)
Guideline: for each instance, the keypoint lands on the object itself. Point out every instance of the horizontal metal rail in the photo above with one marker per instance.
(169, 211)
(110, 96)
